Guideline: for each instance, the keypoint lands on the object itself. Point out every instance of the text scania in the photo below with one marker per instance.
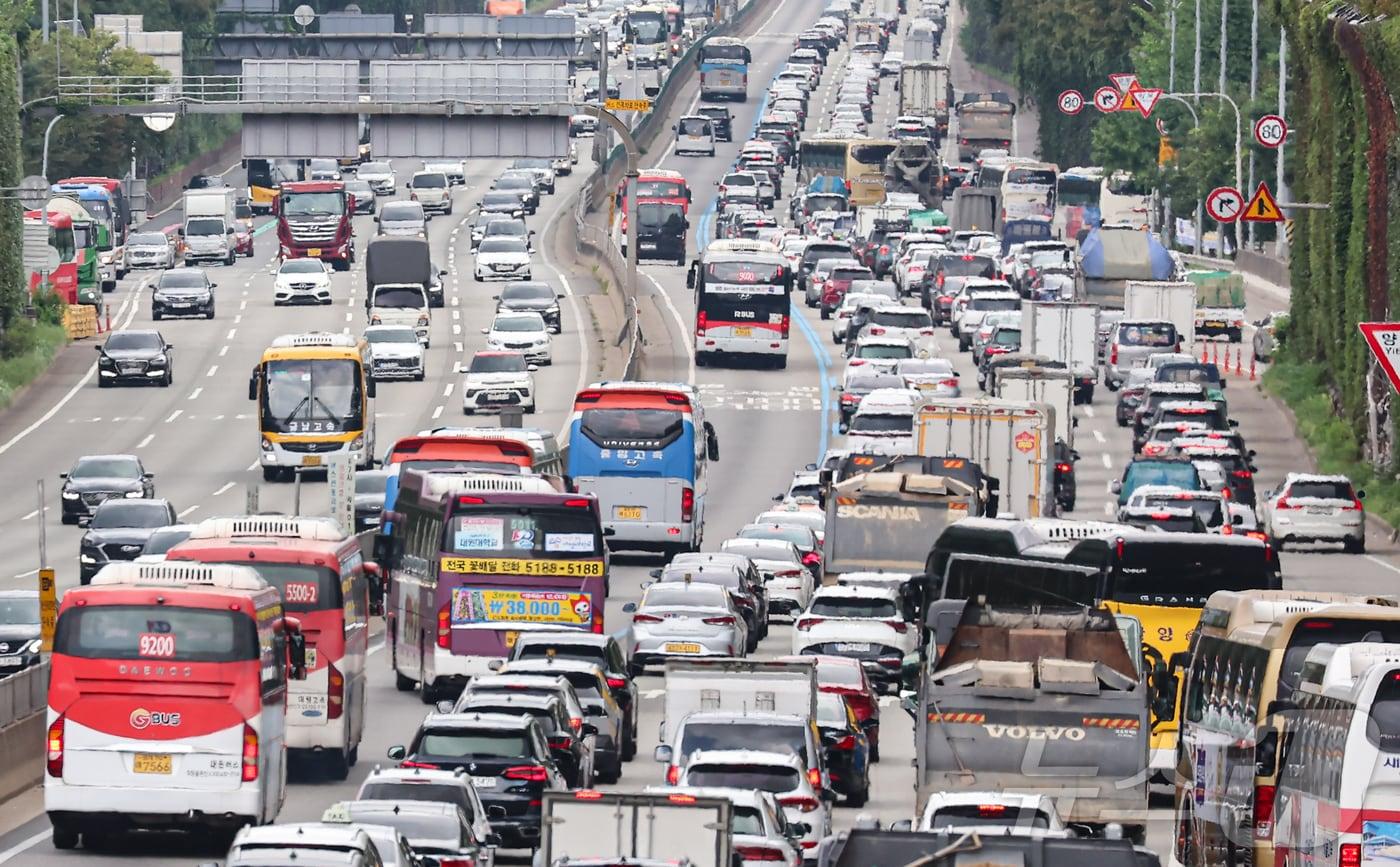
(1034, 733)
(880, 513)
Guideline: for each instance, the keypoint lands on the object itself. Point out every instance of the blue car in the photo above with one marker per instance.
(846, 747)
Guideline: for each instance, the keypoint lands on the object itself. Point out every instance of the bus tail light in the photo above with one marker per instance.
(785, 326)
(1264, 812)
(1350, 855)
(687, 505)
(702, 323)
(55, 748)
(444, 636)
(250, 754)
(336, 695)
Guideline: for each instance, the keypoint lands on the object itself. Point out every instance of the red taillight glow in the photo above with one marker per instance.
(991, 809)
(1063, 468)
(1264, 812)
(759, 853)
(1283, 504)
(702, 323)
(527, 773)
(801, 802)
(54, 755)
(846, 743)
(427, 766)
(588, 795)
(576, 723)
(673, 775)
(807, 623)
(1354, 507)
(335, 701)
(811, 558)
(646, 618)
(444, 632)
(875, 329)
(561, 743)
(1349, 855)
(250, 754)
(726, 620)
(814, 776)
(616, 683)
(1113, 354)
(898, 626)
(687, 505)
(785, 326)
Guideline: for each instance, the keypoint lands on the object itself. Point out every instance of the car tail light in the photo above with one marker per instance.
(724, 620)
(1006, 143)
(814, 777)
(884, 248)
(807, 805)
(891, 661)
(1246, 474)
(990, 810)
(875, 329)
(1350, 855)
(562, 742)
(787, 573)
(576, 723)
(687, 505)
(444, 637)
(850, 398)
(1063, 468)
(455, 862)
(962, 141)
(1264, 812)
(951, 383)
(1354, 507)
(250, 754)
(673, 775)
(1284, 504)
(807, 623)
(925, 332)
(335, 701)
(702, 322)
(898, 626)
(616, 683)
(855, 362)
(846, 743)
(54, 756)
(1256, 534)
(811, 558)
(759, 853)
(527, 773)
(646, 618)
(1113, 354)
(427, 766)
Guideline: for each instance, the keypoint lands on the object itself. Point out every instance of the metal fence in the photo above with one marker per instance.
(23, 694)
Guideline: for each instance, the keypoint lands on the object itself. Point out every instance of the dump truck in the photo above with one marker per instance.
(1110, 256)
(1219, 303)
(1012, 441)
(1068, 332)
(885, 521)
(985, 120)
(589, 826)
(926, 90)
(977, 208)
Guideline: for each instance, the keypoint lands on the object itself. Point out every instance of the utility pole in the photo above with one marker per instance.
(1171, 64)
(1281, 239)
(1196, 69)
(46, 21)
(602, 137)
(1253, 86)
(1224, 39)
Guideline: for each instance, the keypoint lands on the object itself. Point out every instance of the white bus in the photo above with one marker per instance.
(743, 304)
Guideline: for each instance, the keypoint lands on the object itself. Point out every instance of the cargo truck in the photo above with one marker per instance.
(1067, 332)
(1054, 388)
(1012, 441)
(926, 90)
(398, 283)
(313, 221)
(922, 40)
(609, 828)
(1172, 302)
(209, 226)
(871, 847)
(1219, 303)
(884, 521)
(1110, 256)
(985, 120)
(977, 209)
(738, 686)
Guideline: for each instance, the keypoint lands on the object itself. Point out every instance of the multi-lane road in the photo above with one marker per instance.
(200, 437)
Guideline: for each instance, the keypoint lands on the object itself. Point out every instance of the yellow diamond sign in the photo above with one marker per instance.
(628, 105)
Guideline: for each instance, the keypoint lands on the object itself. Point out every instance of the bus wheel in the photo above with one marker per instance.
(65, 836)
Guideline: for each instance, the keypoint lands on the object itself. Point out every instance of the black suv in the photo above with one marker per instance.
(134, 356)
(513, 749)
(721, 120)
(183, 292)
(573, 753)
(97, 478)
(604, 651)
(661, 231)
(118, 530)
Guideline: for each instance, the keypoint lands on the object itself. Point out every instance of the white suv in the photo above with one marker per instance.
(432, 190)
(496, 381)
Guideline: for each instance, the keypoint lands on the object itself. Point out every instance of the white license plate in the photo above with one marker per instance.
(10, 661)
(1321, 510)
(497, 395)
(647, 245)
(853, 647)
(484, 782)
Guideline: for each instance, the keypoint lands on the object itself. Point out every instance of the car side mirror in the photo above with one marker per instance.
(397, 753)
(485, 331)
(663, 753)
(532, 367)
(1234, 422)
(589, 729)
(1116, 487)
(1361, 495)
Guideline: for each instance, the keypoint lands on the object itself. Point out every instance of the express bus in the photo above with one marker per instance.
(1077, 198)
(1251, 647)
(1027, 190)
(648, 34)
(326, 585)
(861, 161)
(265, 177)
(743, 302)
(167, 701)
(315, 398)
(654, 185)
(62, 279)
(1162, 579)
(505, 7)
(481, 558)
(724, 68)
(1338, 803)
(643, 448)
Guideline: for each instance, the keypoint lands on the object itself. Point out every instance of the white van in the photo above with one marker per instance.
(695, 134)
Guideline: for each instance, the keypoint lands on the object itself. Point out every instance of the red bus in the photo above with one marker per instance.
(167, 701)
(505, 7)
(326, 584)
(450, 451)
(482, 558)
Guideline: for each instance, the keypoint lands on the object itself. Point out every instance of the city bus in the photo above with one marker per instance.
(1162, 579)
(481, 558)
(315, 398)
(724, 68)
(62, 280)
(326, 585)
(167, 702)
(1252, 647)
(1337, 801)
(1077, 198)
(653, 185)
(647, 30)
(644, 448)
(743, 302)
(505, 7)
(860, 161)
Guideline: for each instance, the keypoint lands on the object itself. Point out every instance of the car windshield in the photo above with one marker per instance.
(739, 179)
(879, 350)
(1147, 334)
(148, 239)
(388, 790)
(968, 266)
(799, 536)
(302, 266)
(206, 226)
(401, 212)
(987, 815)
(989, 304)
(734, 734)
(697, 595)
(1176, 474)
(391, 335)
(882, 423)
(163, 540)
(513, 182)
(128, 340)
(766, 778)
(1206, 373)
(130, 513)
(469, 743)
(502, 244)
(518, 323)
(183, 279)
(1007, 337)
(106, 468)
(512, 362)
(19, 610)
(528, 292)
(899, 319)
(430, 181)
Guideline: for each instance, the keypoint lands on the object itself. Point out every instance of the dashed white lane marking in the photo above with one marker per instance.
(223, 351)
(223, 490)
(653, 693)
(238, 320)
(231, 333)
(213, 370)
(190, 511)
(1107, 461)
(1099, 437)
(145, 441)
(1108, 509)
(253, 466)
(174, 415)
(437, 413)
(196, 393)
(457, 347)
(31, 516)
(349, 317)
(447, 390)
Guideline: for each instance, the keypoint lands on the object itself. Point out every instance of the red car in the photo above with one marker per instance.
(838, 283)
(846, 676)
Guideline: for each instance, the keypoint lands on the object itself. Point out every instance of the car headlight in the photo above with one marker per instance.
(135, 495)
(375, 320)
(423, 320)
(84, 558)
(159, 359)
(34, 646)
(105, 258)
(69, 495)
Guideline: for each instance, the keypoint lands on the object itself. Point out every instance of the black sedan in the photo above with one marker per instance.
(95, 479)
(369, 498)
(135, 356)
(532, 297)
(19, 630)
(183, 292)
(118, 531)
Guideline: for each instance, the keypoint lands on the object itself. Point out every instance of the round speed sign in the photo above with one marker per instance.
(1071, 102)
(1270, 130)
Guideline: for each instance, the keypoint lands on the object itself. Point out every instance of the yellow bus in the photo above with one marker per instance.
(1245, 661)
(315, 399)
(859, 161)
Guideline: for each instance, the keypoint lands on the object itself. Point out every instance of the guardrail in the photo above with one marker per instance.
(547, 96)
(24, 694)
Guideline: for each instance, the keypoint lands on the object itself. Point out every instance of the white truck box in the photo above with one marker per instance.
(1064, 331)
(200, 208)
(1054, 388)
(1174, 302)
(588, 824)
(737, 686)
(1012, 441)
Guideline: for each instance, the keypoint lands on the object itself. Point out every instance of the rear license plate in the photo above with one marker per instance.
(314, 252)
(743, 332)
(151, 763)
(853, 647)
(1320, 510)
(1215, 324)
(511, 637)
(311, 461)
(679, 647)
(484, 782)
(627, 513)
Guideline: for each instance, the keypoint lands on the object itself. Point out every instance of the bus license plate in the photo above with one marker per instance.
(674, 647)
(743, 332)
(511, 637)
(311, 461)
(151, 763)
(1215, 324)
(314, 252)
(627, 513)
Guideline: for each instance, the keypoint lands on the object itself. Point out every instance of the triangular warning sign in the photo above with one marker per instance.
(1146, 99)
(1384, 340)
(1262, 208)
(1129, 102)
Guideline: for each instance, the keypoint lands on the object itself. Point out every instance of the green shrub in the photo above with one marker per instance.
(26, 350)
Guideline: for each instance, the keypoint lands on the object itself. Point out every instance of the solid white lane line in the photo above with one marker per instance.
(222, 490)
(682, 332)
(31, 516)
(1384, 565)
(145, 441)
(25, 845)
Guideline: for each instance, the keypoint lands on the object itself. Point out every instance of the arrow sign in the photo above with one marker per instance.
(1146, 99)
(1106, 99)
(1262, 208)
(1224, 204)
(1071, 102)
(1270, 130)
(1384, 340)
(1124, 81)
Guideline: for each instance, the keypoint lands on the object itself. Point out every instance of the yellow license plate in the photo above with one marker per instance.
(151, 763)
(627, 513)
(1215, 324)
(743, 332)
(314, 252)
(511, 637)
(311, 461)
(674, 647)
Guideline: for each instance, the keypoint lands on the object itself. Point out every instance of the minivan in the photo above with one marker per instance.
(695, 134)
(432, 190)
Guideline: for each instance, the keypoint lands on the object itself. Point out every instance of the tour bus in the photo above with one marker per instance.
(481, 558)
(643, 448)
(1027, 189)
(648, 34)
(1337, 799)
(62, 279)
(315, 398)
(742, 302)
(1162, 579)
(1251, 647)
(325, 584)
(861, 161)
(167, 701)
(724, 68)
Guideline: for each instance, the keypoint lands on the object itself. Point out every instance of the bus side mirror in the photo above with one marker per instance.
(369, 386)
(252, 383)
(711, 442)
(690, 276)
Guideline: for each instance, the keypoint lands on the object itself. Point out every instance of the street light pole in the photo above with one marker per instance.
(1196, 71)
(1281, 238)
(1238, 142)
(44, 164)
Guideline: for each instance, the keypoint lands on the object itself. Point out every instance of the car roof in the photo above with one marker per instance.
(310, 834)
(476, 720)
(746, 757)
(850, 591)
(531, 666)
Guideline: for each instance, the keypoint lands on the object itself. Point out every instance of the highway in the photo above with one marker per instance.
(200, 438)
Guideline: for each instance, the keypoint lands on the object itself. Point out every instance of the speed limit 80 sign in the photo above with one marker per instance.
(1270, 131)
(1071, 102)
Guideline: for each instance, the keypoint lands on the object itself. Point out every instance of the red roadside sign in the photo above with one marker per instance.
(1384, 340)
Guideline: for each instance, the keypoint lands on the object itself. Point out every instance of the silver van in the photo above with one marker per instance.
(695, 135)
(432, 190)
(1130, 343)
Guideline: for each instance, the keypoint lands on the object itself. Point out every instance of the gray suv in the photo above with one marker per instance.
(1130, 343)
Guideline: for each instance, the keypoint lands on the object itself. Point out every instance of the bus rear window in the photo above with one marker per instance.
(304, 588)
(627, 428)
(525, 531)
(156, 634)
(744, 272)
(1312, 631)
(1383, 726)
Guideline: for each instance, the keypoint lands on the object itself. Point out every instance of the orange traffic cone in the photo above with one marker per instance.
(1251, 367)
(1239, 369)
(1203, 352)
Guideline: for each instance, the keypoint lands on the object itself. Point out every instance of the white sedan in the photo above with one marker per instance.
(790, 582)
(502, 257)
(525, 333)
(304, 281)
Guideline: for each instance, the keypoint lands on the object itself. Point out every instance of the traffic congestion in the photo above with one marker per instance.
(941, 521)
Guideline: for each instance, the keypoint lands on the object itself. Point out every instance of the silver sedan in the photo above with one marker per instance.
(684, 619)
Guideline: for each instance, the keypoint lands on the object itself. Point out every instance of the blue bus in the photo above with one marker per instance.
(643, 448)
(724, 68)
